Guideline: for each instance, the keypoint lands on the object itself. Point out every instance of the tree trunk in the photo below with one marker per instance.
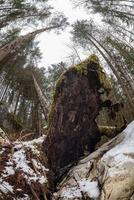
(42, 99)
(16, 105)
(119, 67)
(20, 41)
(6, 88)
(72, 128)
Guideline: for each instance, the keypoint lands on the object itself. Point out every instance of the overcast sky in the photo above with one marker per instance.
(54, 47)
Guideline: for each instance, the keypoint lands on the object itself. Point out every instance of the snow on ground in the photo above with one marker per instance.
(87, 187)
(71, 193)
(31, 144)
(20, 159)
(5, 187)
(2, 150)
(122, 154)
(115, 162)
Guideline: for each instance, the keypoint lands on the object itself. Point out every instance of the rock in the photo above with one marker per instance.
(106, 174)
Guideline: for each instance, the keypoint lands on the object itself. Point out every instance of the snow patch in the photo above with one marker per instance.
(90, 188)
(32, 144)
(42, 180)
(21, 162)
(2, 151)
(85, 187)
(5, 187)
(33, 170)
(70, 193)
(39, 140)
(122, 154)
(8, 171)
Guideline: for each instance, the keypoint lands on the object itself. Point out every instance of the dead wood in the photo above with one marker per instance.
(72, 128)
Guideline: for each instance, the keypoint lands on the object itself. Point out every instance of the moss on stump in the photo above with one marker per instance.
(72, 129)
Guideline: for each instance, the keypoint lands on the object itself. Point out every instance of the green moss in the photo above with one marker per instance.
(104, 80)
(82, 69)
(93, 58)
(2, 103)
(54, 100)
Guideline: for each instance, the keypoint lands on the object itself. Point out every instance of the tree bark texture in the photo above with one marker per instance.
(72, 129)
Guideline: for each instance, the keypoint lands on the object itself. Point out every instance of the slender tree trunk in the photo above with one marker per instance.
(2, 90)
(77, 54)
(16, 105)
(42, 99)
(21, 109)
(10, 100)
(5, 90)
(119, 67)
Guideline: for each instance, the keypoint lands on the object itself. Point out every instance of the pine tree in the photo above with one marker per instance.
(84, 33)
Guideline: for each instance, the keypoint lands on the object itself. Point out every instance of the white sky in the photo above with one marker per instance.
(54, 47)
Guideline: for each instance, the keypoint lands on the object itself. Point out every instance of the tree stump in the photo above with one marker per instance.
(72, 129)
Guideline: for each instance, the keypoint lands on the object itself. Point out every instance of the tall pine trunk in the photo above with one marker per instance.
(20, 41)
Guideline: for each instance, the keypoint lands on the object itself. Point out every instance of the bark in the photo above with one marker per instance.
(17, 101)
(35, 117)
(21, 109)
(72, 129)
(42, 99)
(20, 41)
(4, 93)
